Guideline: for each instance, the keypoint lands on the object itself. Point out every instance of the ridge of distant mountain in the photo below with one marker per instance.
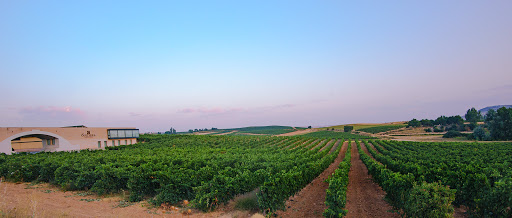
(495, 107)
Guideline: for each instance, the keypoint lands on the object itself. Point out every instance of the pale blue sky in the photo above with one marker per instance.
(197, 64)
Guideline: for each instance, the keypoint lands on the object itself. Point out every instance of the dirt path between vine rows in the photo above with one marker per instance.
(309, 202)
(364, 197)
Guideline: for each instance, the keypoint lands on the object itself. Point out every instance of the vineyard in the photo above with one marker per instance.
(207, 170)
(479, 175)
(383, 128)
(419, 179)
(335, 134)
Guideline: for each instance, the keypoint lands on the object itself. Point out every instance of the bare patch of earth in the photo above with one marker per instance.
(364, 197)
(246, 133)
(226, 133)
(425, 138)
(298, 132)
(44, 200)
(204, 133)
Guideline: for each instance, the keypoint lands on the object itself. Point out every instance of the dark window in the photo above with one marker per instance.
(122, 133)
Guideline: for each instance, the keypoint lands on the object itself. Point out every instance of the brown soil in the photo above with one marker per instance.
(425, 138)
(364, 197)
(298, 132)
(371, 146)
(335, 146)
(204, 133)
(309, 202)
(43, 200)
(246, 133)
(306, 144)
(319, 143)
(327, 145)
(228, 132)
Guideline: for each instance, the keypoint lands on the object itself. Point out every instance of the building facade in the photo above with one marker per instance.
(34, 139)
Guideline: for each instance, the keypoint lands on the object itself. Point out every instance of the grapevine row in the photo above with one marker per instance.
(336, 194)
(480, 173)
(408, 197)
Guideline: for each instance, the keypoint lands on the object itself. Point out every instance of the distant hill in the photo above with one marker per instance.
(495, 107)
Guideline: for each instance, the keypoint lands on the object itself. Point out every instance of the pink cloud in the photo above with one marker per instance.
(51, 110)
(216, 110)
(283, 106)
(66, 113)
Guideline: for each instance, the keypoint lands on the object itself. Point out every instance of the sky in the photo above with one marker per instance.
(193, 64)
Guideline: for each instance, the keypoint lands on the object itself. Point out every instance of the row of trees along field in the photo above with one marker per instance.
(497, 124)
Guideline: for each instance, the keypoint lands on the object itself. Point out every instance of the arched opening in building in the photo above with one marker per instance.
(34, 143)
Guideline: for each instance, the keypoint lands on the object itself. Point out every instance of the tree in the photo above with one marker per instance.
(190, 131)
(427, 122)
(457, 120)
(309, 127)
(452, 134)
(413, 123)
(441, 120)
(489, 117)
(348, 128)
(473, 116)
(500, 123)
(481, 134)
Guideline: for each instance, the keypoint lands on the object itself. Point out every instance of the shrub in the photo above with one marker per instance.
(429, 200)
(249, 202)
(471, 136)
(480, 134)
(428, 130)
(472, 126)
(452, 134)
(348, 128)
(438, 129)
(413, 123)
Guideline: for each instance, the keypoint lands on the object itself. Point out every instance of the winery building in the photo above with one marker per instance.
(35, 139)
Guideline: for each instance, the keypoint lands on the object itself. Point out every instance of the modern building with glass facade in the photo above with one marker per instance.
(34, 139)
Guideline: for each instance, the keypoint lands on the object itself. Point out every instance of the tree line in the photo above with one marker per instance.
(497, 124)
